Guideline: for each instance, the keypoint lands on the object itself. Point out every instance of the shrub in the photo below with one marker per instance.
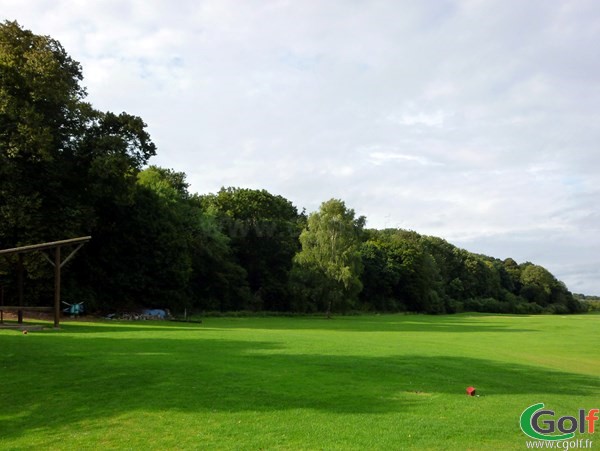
(558, 309)
(528, 308)
(454, 306)
(487, 305)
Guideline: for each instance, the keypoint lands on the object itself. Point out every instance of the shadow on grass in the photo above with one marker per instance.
(51, 383)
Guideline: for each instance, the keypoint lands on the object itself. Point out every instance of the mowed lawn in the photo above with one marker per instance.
(359, 382)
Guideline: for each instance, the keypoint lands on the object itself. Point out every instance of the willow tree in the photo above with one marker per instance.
(330, 260)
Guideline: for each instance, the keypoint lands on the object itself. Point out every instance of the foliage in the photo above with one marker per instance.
(65, 169)
(427, 274)
(263, 230)
(41, 110)
(400, 271)
(588, 303)
(329, 264)
(68, 170)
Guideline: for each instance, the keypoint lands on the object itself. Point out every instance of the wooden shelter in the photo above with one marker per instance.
(56, 261)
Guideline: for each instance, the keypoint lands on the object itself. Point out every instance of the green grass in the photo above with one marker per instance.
(361, 382)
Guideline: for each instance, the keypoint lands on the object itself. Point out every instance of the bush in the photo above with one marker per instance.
(434, 304)
(557, 309)
(575, 306)
(454, 306)
(487, 305)
(591, 306)
(528, 308)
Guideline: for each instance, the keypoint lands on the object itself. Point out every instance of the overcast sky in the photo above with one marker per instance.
(476, 121)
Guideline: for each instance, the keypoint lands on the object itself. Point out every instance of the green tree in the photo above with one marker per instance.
(65, 169)
(166, 183)
(513, 271)
(380, 277)
(42, 114)
(263, 230)
(218, 282)
(330, 251)
(419, 286)
(536, 284)
(207, 275)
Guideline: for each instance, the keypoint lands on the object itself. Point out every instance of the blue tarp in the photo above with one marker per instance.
(157, 313)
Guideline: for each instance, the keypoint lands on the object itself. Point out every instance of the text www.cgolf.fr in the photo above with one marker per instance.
(562, 444)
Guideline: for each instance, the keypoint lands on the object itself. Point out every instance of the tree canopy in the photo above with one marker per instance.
(67, 169)
(329, 254)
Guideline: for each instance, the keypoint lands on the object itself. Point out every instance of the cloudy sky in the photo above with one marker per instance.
(476, 121)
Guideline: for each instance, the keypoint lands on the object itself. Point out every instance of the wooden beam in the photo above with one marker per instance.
(48, 259)
(71, 255)
(57, 263)
(49, 245)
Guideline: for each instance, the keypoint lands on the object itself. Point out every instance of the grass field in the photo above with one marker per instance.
(360, 382)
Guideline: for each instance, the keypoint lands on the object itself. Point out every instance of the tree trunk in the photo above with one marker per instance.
(328, 312)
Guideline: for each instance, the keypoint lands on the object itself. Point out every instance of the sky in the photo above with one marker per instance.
(475, 121)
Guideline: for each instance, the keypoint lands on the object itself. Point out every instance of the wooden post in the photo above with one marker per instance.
(56, 245)
(57, 287)
(20, 287)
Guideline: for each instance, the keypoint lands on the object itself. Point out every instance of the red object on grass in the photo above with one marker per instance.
(471, 391)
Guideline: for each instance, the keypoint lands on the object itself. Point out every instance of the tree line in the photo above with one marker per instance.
(67, 170)
(590, 303)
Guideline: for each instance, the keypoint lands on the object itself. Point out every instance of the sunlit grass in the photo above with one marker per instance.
(364, 382)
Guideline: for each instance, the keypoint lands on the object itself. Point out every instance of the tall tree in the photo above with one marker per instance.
(409, 273)
(65, 168)
(330, 251)
(263, 230)
(42, 114)
(211, 279)
(381, 274)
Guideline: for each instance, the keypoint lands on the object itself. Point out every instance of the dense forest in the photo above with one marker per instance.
(69, 170)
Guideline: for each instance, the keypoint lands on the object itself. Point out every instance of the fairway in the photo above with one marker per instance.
(357, 382)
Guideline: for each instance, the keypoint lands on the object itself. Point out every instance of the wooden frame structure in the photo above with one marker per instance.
(57, 262)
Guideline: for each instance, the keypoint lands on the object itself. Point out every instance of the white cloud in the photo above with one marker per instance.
(381, 157)
(435, 119)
